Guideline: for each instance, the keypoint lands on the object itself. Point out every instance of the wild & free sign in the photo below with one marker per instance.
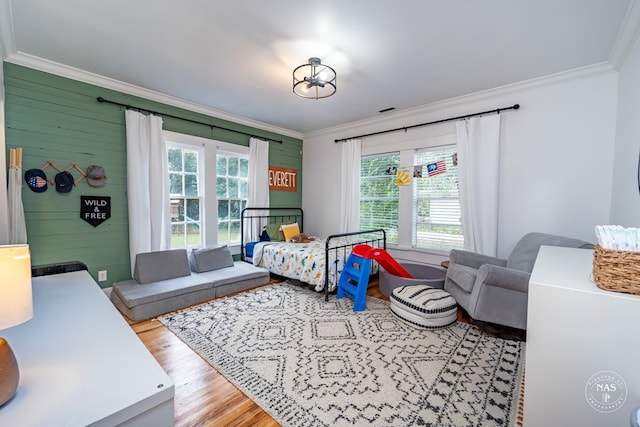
(95, 209)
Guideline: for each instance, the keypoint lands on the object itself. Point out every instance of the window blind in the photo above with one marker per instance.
(436, 211)
(379, 194)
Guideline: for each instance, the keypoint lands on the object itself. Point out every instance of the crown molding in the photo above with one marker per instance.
(7, 41)
(62, 70)
(627, 36)
(417, 113)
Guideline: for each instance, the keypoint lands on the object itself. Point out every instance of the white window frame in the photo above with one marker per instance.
(239, 155)
(201, 185)
(209, 206)
(405, 196)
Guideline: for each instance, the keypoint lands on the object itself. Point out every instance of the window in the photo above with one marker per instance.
(208, 189)
(379, 194)
(425, 213)
(436, 210)
(186, 196)
(232, 172)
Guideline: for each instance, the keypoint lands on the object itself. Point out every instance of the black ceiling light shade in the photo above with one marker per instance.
(314, 80)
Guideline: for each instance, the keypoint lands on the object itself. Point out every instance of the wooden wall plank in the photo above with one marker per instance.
(59, 119)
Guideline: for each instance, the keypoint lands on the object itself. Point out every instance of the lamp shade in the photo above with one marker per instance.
(16, 303)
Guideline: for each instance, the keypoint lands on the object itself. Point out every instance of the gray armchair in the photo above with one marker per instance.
(496, 290)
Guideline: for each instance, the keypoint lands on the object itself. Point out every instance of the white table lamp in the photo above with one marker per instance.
(16, 306)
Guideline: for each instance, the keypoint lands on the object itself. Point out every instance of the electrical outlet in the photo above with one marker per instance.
(102, 276)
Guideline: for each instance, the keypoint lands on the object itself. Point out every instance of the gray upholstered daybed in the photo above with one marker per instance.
(165, 281)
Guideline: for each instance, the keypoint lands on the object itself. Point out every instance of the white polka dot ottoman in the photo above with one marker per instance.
(424, 307)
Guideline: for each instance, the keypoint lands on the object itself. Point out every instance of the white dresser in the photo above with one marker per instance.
(583, 346)
(81, 364)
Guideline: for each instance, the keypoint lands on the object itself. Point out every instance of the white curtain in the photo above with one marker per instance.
(350, 186)
(258, 184)
(478, 140)
(4, 207)
(147, 185)
(17, 224)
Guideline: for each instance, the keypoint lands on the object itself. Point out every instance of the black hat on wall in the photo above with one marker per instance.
(64, 182)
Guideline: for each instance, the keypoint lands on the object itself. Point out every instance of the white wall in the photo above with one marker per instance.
(625, 205)
(557, 155)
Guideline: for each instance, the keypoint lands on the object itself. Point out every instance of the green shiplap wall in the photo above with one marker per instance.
(59, 119)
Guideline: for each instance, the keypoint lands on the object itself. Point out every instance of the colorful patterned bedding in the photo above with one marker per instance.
(303, 261)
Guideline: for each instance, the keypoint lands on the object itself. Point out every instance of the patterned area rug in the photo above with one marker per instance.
(308, 362)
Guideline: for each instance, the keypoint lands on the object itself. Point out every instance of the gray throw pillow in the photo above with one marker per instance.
(161, 265)
(208, 259)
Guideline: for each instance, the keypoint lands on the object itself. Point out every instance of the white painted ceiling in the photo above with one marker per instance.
(237, 56)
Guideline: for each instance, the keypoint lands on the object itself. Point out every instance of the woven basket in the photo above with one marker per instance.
(617, 271)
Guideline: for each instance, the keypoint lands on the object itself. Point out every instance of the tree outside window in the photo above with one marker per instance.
(232, 173)
(185, 193)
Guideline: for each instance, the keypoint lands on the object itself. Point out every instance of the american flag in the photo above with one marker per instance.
(436, 168)
(37, 182)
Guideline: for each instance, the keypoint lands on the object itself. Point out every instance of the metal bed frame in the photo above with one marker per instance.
(270, 215)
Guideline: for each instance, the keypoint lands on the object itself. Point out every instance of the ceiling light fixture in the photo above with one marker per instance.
(314, 80)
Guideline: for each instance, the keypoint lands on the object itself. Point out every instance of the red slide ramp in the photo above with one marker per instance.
(383, 258)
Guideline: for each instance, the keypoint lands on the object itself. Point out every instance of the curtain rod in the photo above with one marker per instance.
(130, 107)
(405, 128)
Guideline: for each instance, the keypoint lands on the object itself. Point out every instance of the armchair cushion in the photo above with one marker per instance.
(463, 276)
(502, 277)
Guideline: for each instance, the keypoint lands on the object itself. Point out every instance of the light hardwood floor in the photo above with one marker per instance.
(203, 397)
